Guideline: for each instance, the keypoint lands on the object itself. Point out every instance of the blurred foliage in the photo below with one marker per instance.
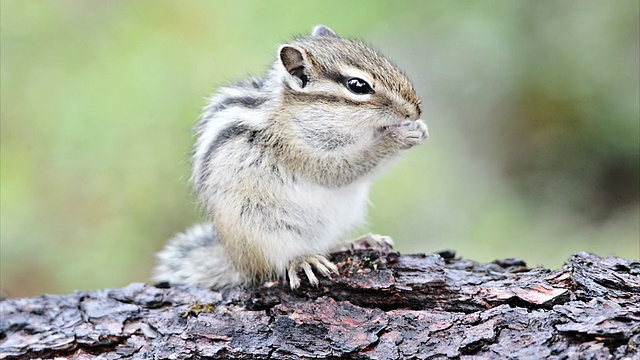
(533, 109)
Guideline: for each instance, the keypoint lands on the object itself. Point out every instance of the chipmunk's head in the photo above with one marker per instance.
(344, 82)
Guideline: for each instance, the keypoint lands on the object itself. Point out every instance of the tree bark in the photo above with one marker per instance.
(382, 306)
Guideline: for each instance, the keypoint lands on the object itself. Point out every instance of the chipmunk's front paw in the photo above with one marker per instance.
(322, 265)
(409, 133)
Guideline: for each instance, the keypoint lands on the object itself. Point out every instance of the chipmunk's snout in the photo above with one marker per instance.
(409, 112)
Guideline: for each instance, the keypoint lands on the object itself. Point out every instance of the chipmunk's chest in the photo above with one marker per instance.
(330, 213)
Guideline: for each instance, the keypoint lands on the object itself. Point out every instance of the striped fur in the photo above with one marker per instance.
(283, 163)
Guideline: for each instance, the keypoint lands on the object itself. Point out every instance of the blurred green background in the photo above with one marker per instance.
(533, 109)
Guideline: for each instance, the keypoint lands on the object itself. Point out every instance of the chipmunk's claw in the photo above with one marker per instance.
(322, 265)
(378, 242)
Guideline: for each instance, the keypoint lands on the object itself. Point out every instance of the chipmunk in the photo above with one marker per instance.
(282, 164)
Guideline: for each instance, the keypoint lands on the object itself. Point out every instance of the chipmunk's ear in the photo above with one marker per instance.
(322, 30)
(292, 58)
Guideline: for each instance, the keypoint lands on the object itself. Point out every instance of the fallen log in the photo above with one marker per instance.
(382, 306)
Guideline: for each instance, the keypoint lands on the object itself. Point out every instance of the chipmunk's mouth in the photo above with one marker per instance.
(388, 127)
(394, 125)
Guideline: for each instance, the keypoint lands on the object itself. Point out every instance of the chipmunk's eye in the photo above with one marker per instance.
(358, 86)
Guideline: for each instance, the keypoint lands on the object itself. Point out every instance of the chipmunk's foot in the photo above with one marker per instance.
(378, 242)
(322, 265)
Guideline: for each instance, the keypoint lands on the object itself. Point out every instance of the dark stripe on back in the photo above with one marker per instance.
(251, 83)
(230, 132)
(251, 102)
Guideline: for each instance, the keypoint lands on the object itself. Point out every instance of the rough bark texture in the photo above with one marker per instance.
(381, 307)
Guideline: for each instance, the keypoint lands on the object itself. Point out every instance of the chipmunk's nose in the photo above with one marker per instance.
(412, 113)
(418, 110)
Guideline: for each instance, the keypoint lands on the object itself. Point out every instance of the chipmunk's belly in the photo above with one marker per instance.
(318, 219)
(335, 212)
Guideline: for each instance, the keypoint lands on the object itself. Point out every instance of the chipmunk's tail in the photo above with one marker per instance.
(196, 258)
